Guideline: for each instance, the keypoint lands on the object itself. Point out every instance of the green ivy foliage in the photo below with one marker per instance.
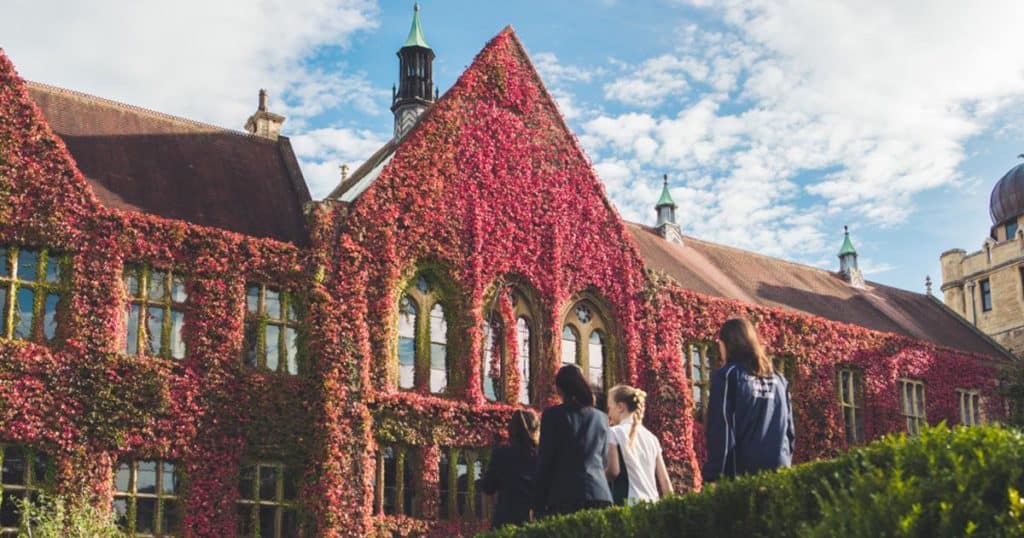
(943, 482)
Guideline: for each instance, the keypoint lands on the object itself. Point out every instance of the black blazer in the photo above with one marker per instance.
(510, 475)
(571, 460)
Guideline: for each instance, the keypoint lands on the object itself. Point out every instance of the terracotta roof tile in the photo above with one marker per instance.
(145, 161)
(722, 271)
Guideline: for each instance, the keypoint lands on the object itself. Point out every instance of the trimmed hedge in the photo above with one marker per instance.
(943, 482)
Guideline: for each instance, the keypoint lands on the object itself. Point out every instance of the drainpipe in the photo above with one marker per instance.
(974, 304)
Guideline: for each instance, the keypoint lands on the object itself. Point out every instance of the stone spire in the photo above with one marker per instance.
(666, 210)
(848, 261)
(264, 123)
(415, 92)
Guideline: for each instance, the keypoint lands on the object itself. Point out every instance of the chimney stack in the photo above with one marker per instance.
(264, 123)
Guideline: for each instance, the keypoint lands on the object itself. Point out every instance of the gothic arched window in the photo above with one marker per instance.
(422, 347)
(497, 362)
(585, 342)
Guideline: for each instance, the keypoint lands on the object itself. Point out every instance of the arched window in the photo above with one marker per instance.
(493, 356)
(422, 346)
(585, 342)
(497, 361)
(524, 350)
(570, 349)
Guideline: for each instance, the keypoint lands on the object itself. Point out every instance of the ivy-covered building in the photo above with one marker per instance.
(188, 338)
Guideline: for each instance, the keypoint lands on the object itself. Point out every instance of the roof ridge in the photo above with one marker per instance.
(773, 258)
(140, 109)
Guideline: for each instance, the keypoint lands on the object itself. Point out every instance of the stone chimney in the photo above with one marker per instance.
(848, 262)
(264, 123)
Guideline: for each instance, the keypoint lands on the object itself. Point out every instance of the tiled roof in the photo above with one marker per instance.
(145, 161)
(721, 271)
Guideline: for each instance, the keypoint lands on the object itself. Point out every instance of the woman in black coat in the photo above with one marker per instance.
(573, 450)
(510, 471)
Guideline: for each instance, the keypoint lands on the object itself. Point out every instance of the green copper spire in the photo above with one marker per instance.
(666, 197)
(416, 38)
(847, 244)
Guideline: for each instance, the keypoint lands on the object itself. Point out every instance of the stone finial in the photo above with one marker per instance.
(263, 123)
(928, 284)
(344, 171)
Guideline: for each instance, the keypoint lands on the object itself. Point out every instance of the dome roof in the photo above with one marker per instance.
(1007, 200)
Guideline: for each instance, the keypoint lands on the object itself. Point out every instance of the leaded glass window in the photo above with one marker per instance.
(422, 346)
(850, 401)
(23, 472)
(155, 314)
(394, 482)
(524, 353)
(461, 499)
(493, 356)
(968, 404)
(912, 404)
(32, 284)
(271, 329)
(585, 342)
(267, 506)
(699, 359)
(146, 498)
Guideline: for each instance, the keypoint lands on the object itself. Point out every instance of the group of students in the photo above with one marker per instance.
(577, 457)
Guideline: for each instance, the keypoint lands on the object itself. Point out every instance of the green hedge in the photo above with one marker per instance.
(943, 482)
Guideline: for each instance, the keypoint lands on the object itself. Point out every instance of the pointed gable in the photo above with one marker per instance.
(41, 191)
(495, 151)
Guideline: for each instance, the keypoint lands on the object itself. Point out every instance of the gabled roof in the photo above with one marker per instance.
(149, 162)
(721, 271)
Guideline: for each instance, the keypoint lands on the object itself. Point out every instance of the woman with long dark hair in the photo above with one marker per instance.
(750, 420)
(510, 471)
(573, 450)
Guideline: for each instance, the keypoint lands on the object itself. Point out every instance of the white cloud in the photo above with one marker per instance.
(321, 152)
(803, 113)
(199, 59)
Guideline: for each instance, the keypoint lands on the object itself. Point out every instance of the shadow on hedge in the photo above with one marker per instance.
(943, 482)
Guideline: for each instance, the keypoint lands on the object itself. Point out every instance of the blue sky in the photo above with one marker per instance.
(777, 123)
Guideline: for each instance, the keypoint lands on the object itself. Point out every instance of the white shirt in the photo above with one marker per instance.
(641, 460)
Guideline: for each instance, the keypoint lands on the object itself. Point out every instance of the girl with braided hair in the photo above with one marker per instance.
(633, 450)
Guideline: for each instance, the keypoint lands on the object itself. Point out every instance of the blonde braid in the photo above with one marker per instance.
(639, 401)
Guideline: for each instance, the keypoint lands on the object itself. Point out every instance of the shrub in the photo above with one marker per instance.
(60, 517)
(943, 482)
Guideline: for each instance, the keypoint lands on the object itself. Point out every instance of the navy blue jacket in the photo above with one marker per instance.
(571, 459)
(510, 475)
(749, 424)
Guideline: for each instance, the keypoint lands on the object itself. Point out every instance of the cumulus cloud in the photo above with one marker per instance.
(321, 152)
(788, 116)
(200, 59)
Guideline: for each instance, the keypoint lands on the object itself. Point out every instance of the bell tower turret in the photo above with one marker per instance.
(415, 92)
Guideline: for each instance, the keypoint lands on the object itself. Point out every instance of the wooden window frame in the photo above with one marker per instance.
(42, 288)
(131, 497)
(911, 406)
(465, 508)
(968, 403)
(143, 274)
(289, 361)
(31, 482)
(280, 503)
(405, 458)
(584, 330)
(851, 406)
(706, 352)
(426, 297)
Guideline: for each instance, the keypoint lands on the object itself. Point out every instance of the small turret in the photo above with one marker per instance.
(415, 92)
(848, 262)
(666, 210)
(264, 123)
